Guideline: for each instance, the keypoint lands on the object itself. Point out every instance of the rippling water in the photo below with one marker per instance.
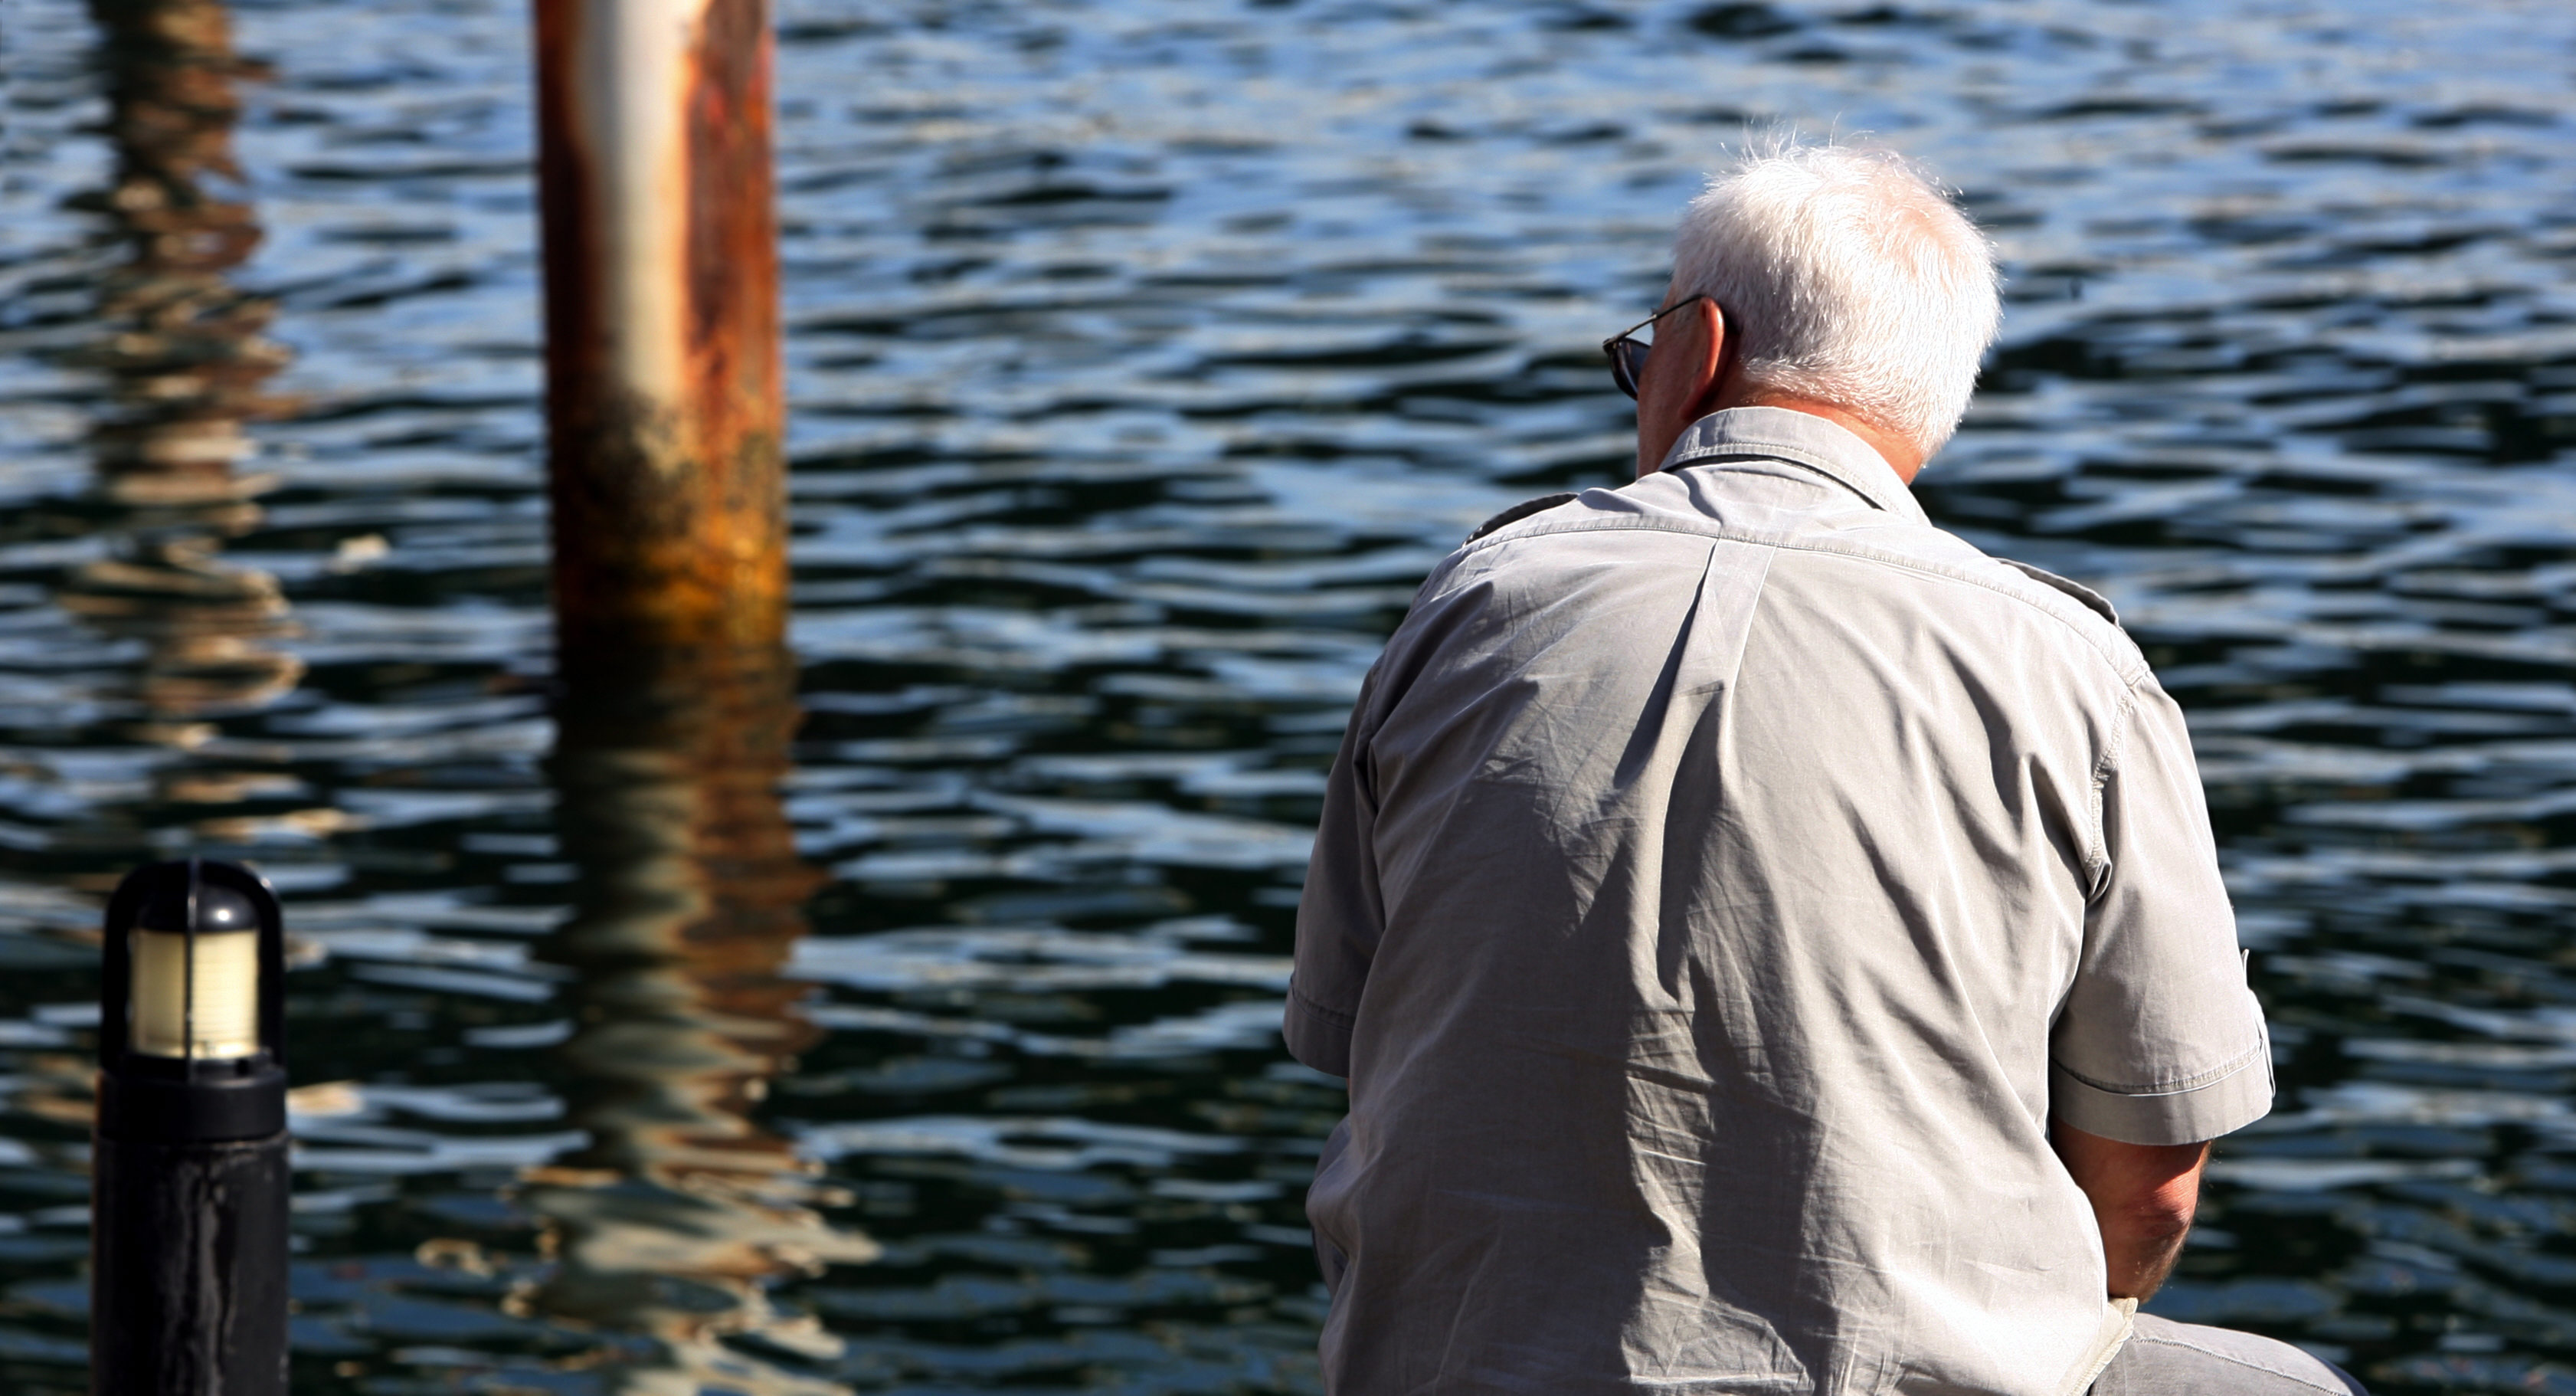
(1145, 354)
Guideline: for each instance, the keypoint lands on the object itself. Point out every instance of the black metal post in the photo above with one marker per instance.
(188, 1179)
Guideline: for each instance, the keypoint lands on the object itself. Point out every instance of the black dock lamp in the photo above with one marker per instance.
(189, 1170)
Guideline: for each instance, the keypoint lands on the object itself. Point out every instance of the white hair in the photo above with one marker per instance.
(1848, 278)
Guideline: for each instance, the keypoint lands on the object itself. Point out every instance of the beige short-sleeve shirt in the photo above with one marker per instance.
(1723, 880)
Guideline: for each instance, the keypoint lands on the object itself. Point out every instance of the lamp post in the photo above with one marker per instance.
(189, 1170)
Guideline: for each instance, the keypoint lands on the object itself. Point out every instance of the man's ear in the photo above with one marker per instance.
(1684, 379)
(1720, 359)
(1689, 346)
(1730, 365)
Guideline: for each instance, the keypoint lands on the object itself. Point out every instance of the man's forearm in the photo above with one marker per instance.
(2143, 1197)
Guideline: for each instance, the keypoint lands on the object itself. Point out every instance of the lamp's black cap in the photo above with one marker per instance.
(219, 908)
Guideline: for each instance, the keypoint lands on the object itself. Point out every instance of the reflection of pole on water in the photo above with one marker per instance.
(688, 905)
(668, 488)
(185, 357)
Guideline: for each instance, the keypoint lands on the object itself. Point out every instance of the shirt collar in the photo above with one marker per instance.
(1778, 433)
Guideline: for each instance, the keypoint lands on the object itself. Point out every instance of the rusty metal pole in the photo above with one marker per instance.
(662, 335)
(677, 699)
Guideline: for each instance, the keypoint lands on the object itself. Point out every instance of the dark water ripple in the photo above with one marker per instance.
(1145, 354)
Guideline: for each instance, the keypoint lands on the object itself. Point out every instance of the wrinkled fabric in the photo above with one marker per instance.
(1723, 879)
(2165, 1358)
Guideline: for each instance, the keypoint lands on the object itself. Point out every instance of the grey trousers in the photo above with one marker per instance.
(2165, 1358)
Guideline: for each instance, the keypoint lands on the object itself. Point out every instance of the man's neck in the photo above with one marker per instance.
(1901, 455)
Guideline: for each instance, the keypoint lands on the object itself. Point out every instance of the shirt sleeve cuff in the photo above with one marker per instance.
(1317, 1035)
(2220, 1102)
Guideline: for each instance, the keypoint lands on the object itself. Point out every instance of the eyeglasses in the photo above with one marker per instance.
(1627, 353)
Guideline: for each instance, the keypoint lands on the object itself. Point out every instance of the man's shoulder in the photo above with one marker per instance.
(2094, 601)
(1916, 561)
(2014, 594)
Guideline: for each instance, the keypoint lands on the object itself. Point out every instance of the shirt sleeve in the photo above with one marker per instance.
(1340, 915)
(2160, 1041)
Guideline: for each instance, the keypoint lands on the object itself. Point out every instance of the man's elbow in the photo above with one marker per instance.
(2156, 1214)
(2140, 1192)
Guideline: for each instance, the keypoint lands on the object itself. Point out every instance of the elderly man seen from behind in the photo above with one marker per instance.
(1774, 946)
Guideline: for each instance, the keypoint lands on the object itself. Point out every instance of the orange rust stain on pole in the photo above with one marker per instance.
(662, 330)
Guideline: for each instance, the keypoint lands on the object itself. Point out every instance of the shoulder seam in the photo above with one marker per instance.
(2097, 858)
(1525, 509)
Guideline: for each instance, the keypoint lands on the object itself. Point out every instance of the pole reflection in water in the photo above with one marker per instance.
(185, 356)
(671, 1221)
